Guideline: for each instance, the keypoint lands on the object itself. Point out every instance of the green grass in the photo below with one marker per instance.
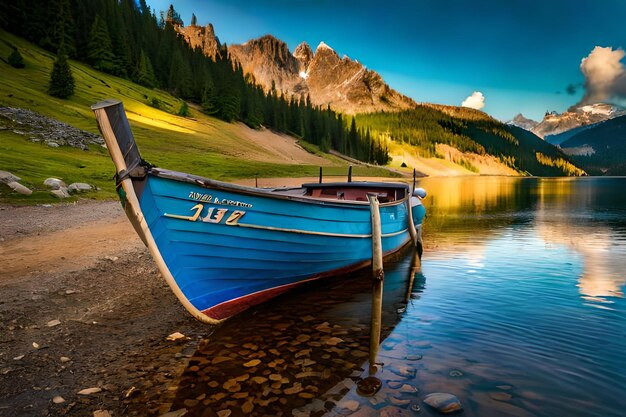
(34, 162)
(198, 144)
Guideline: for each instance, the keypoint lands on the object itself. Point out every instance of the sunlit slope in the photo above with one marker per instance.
(443, 140)
(199, 144)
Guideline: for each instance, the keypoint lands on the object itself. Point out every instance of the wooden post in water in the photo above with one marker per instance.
(378, 277)
(416, 268)
(350, 173)
(320, 175)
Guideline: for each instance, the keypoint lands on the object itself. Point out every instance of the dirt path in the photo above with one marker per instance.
(83, 306)
(280, 147)
(68, 250)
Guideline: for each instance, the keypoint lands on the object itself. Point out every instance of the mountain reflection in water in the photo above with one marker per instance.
(523, 314)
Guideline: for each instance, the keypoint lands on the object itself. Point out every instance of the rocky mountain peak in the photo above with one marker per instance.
(270, 62)
(523, 122)
(304, 54)
(266, 47)
(325, 55)
(202, 37)
(323, 46)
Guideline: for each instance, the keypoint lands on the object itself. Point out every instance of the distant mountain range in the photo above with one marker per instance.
(554, 123)
(344, 84)
(593, 136)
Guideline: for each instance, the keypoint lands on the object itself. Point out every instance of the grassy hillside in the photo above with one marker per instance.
(600, 149)
(199, 144)
(473, 133)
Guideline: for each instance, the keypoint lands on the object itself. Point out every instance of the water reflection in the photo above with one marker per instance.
(584, 215)
(511, 280)
(523, 314)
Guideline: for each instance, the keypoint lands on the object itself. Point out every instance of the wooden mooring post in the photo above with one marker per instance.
(378, 277)
(416, 268)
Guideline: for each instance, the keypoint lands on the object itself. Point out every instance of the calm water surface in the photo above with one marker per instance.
(518, 310)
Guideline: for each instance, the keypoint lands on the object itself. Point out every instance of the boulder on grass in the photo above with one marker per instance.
(19, 188)
(60, 193)
(79, 187)
(6, 177)
(54, 183)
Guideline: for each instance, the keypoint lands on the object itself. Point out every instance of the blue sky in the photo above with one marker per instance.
(521, 55)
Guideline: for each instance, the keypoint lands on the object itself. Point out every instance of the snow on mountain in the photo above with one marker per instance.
(555, 123)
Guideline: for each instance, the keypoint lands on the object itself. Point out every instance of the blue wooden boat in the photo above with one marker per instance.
(223, 248)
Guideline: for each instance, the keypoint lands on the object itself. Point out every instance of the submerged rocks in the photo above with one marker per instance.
(253, 362)
(443, 402)
(368, 386)
(500, 396)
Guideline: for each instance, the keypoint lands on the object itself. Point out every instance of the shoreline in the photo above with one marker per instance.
(83, 306)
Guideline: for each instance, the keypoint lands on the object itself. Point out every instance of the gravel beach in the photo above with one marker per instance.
(85, 316)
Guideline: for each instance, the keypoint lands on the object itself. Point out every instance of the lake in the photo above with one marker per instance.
(518, 309)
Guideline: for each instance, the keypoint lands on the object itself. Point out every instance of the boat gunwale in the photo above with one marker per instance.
(274, 193)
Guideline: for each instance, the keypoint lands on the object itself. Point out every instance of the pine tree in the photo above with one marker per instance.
(229, 102)
(353, 139)
(63, 27)
(180, 79)
(61, 78)
(193, 20)
(144, 74)
(122, 59)
(173, 17)
(82, 22)
(15, 59)
(100, 54)
(183, 110)
(209, 99)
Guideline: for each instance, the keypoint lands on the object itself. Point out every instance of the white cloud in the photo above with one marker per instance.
(605, 75)
(474, 101)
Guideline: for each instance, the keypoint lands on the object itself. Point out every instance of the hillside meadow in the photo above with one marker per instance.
(199, 144)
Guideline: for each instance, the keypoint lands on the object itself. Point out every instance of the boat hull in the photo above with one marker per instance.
(227, 250)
